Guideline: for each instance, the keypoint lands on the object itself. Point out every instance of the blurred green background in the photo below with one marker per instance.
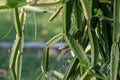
(45, 29)
(31, 58)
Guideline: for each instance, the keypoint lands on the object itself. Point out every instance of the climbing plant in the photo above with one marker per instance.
(89, 27)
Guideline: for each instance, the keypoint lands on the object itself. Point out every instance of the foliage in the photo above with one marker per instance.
(44, 31)
(89, 27)
(32, 61)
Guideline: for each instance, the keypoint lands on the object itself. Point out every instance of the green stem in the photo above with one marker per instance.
(116, 27)
(17, 22)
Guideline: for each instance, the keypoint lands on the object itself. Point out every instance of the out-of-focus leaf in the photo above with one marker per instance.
(58, 74)
(12, 75)
(41, 76)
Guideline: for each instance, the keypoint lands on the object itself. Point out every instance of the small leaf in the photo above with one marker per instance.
(41, 76)
(58, 74)
(64, 47)
(85, 74)
(71, 68)
(54, 39)
(54, 15)
(45, 59)
(104, 68)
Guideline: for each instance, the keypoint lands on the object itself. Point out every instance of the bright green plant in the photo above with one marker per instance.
(93, 23)
(89, 27)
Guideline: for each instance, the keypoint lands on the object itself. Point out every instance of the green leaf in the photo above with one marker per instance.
(67, 11)
(58, 74)
(94, 47)
(64, 47)
(114, 61)
(116, 27)
(99, 76)
(45, 59)
(78, 13)
(106, 35)
(22, 17)
(18, 66)
(41, 76)
(17, 22)
(54, 15)
(78, 51)
(85, 74)
(71, 68)
(12, 75)
(14, 52)
(86, 8)
(54, 39)
(104, 68)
